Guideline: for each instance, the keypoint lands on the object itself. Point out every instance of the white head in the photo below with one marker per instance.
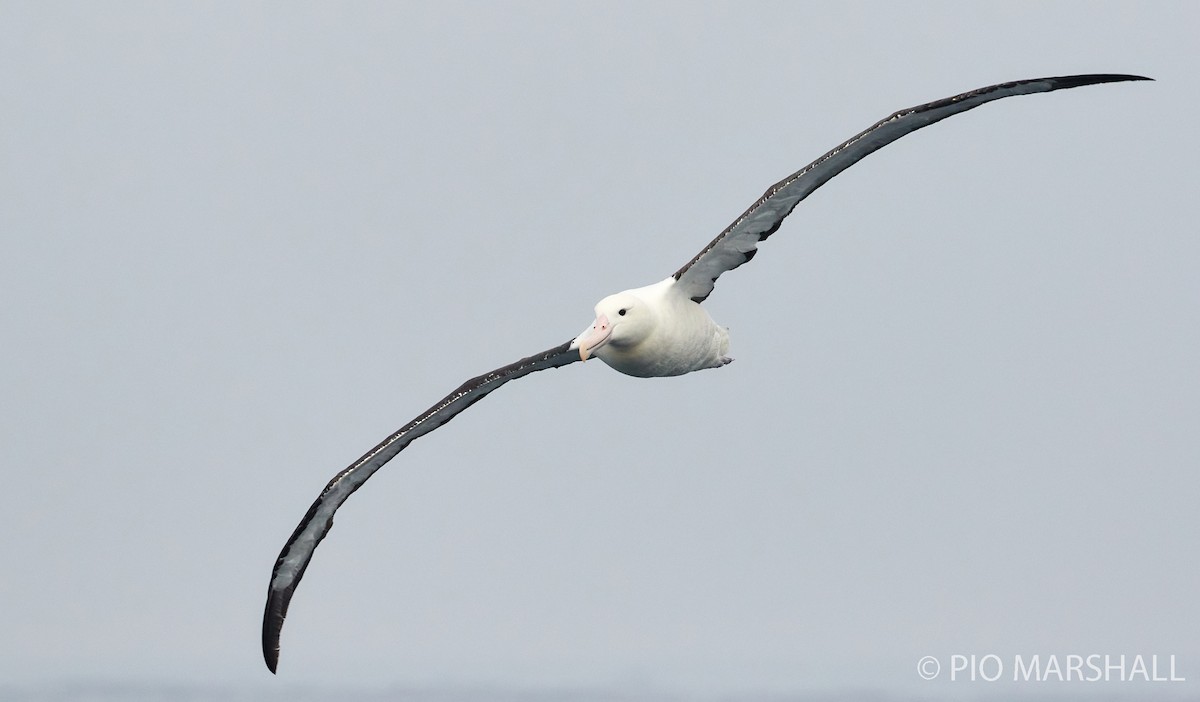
(623, 321)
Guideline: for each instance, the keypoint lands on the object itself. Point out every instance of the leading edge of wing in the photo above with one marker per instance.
(298, 552)
(737, 244)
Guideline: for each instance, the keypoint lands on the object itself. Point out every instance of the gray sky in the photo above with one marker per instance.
(242, 244)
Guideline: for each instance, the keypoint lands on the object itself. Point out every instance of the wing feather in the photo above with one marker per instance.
(298, 552)
(737, 244)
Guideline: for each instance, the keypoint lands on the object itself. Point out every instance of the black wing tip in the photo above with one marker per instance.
(271, 657)
(1047, 84)
(273, 616)
(1093, 79)
(275, 610)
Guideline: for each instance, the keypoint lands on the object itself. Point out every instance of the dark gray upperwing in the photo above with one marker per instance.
(738, 243)
(295, 556)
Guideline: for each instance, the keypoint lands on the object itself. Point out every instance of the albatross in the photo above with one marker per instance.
(652, 331)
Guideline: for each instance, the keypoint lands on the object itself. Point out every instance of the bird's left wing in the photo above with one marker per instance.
(295, 556)
(738, 243)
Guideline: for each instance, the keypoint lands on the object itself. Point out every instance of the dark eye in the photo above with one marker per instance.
(621, 311)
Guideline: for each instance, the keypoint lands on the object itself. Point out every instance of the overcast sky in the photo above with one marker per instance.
(243, 243)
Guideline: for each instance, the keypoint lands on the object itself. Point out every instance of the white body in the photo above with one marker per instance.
(654, 331)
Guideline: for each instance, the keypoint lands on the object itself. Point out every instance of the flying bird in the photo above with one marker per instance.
(657, 330)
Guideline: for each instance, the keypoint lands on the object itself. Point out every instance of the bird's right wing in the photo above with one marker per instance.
(739, 242)
(298, 551)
